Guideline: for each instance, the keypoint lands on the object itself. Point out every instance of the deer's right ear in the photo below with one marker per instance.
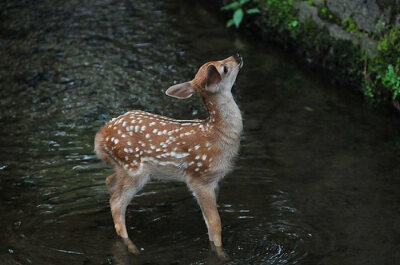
(213, 79)
(181, 91)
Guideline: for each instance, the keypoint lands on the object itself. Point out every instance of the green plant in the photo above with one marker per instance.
(391, 80)
(389, 47)
(369, 93)
(293, 24)
(239, 9)
(281, 13)
(349, 25)
(385, 68)
(326, 14)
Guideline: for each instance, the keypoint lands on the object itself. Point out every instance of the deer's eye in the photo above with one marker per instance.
(225, 69)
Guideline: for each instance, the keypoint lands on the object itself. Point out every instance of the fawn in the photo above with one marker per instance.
(141, 145)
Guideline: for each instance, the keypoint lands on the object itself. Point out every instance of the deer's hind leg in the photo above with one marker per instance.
(125, 186)
(110, 182)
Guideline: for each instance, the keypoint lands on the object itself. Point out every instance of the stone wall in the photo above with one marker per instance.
(370, 15)
(357, 40)
(371, 19)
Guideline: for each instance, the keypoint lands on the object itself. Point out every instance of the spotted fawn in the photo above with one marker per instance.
(141, 146)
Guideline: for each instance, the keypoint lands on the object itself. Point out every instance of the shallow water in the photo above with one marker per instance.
(317, 180)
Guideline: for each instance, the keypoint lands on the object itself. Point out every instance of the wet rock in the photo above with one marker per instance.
(335, 30)
(369, 45)
(339, 33)
(366, 14)
(308, 12)
(397, 23)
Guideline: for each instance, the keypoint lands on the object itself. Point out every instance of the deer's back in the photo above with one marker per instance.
(165, 144)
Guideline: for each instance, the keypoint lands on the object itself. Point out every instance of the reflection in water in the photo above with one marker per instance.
(316, 181)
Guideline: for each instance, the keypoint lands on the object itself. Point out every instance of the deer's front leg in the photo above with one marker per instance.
(206, 198)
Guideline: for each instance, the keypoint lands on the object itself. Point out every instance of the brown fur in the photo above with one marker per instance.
(141, 145)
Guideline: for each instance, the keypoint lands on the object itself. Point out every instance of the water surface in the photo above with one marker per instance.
(317, 180)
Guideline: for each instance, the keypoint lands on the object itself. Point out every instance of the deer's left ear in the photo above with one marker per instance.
(213, 79)
(181, 91)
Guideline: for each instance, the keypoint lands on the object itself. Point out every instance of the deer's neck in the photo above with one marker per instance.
(224, 116)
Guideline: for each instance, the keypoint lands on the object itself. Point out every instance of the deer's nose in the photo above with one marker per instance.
(238, 59)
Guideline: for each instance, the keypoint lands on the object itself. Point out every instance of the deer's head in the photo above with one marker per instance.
(212, 78)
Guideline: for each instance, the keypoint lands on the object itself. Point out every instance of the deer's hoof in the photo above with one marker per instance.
(131, 246)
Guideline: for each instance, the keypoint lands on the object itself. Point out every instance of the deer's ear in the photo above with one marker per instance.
(181, 91)
(213, 79)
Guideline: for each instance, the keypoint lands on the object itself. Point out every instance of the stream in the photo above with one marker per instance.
(316, 182)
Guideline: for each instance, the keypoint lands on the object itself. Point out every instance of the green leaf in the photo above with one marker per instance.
(391, 80)
(237, 17)
(229, 23)
(242, 2)
(233, 5)
(253, 11)
(293, 24)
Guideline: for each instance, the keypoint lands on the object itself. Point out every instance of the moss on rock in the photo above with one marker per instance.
(366, 57)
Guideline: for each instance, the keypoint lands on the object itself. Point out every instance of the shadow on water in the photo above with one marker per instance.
(316, 182)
